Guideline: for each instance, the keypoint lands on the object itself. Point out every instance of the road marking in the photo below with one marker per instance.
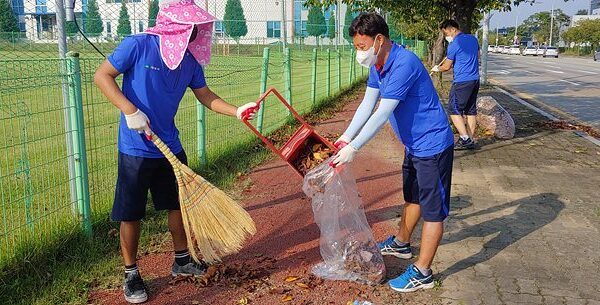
(588, 72)
(554, 71)
(531, 72)
(555, 67)
(547, 62)
(566, 81)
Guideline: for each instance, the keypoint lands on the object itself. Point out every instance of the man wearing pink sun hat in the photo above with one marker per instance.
(157, 66)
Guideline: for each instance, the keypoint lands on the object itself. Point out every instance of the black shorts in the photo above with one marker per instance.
(427, 181)
(463, 98)
(137, 176)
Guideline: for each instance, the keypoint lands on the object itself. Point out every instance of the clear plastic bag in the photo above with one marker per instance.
(491, 116)
(348, 248)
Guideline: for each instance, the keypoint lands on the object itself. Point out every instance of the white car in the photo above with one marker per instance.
(514, 50)
(540, 51)
(551, 51)
(491, 48)
(530, 51)
(505, 50)
(498, 49)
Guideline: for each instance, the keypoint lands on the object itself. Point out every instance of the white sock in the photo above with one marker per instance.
(399, 242)
(464, 137)
(425, 272)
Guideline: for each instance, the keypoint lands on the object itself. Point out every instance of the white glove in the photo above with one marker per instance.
(247, 111)
(342, 142)
(345, 155)
(138, 121)
(435, 68)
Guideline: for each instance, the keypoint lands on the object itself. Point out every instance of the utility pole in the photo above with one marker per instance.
(516, 28)
(497, 25)
(484, 46)
(551, 23)
(283, 23)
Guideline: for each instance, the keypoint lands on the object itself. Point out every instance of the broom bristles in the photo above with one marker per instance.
(214, 223)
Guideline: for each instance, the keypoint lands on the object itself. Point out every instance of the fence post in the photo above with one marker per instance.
(328, 72)
(287, 66)
(339, 69)
(263, 88)
(201, 134)
(314, 78)
(77, 133)
(351, 68)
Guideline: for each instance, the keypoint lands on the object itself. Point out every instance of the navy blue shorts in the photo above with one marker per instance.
(426, 181)
(137, 176)
(463, 98)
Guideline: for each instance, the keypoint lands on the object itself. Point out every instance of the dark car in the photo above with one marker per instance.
(597, 55)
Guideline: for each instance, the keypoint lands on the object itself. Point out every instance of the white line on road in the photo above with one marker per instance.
(566, 81)
(588, 72)
(526, 71)
(555, 67)
(547, 62)
(554, 71)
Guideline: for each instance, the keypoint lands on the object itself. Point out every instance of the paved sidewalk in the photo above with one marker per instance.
(524, 227)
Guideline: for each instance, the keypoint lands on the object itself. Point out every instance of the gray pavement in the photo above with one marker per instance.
(571, 85)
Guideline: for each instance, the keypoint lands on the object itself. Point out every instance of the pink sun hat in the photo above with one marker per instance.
(175, 22)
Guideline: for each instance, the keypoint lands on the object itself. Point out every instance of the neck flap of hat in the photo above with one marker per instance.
(175, 23)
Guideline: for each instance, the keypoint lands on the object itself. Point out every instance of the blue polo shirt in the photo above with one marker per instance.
(155, 89)
(419, 120)
(464, 52)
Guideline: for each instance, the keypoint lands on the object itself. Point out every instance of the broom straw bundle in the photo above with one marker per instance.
(215, 224)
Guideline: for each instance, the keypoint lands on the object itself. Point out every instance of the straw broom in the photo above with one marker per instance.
(217, 224)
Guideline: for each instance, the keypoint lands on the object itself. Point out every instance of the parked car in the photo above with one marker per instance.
(597, 55)
(491, 48)
(514, 50)
(551, 52)
(506, 50)
(498, 49)
(540, 51)
(530, 51)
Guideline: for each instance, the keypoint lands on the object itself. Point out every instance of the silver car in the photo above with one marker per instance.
(551, 52)
(530, 51)
(506, 50)
(597, 55)
(540, 51)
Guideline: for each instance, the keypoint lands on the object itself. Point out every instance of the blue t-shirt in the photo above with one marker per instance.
(155, 89)
(419, 120)
(464, 52)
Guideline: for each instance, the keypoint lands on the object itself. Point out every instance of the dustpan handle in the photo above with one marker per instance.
(262, 98)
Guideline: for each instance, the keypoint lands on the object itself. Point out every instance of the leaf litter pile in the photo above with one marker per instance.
(571, 126)
(311, 156)
(253, 277)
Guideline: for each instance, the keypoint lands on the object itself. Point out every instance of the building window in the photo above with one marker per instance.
(40, 7)
(141, 26)
(108, 28)
(273, 29)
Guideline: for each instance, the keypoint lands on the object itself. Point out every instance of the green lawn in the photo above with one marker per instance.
(35, 206)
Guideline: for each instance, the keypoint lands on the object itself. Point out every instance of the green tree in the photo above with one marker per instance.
(93, 22)
(585, 31)
(234, 20)
(331, 28)
(8, 20)
(316, 25)
(537, 26)
(348, 17)
(582, 12)
(124, 26)
(71, 28)
(152, 13)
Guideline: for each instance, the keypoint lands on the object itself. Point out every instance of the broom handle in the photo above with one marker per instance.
(164, 149)
(441, 62)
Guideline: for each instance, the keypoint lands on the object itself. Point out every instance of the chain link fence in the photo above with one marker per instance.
(58, 152)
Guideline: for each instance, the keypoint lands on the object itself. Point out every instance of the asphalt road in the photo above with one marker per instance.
(569, 84)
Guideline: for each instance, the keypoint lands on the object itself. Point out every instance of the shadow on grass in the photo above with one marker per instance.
(64, 268)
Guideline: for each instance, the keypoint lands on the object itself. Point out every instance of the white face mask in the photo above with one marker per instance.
(449, 39)
(367, 58)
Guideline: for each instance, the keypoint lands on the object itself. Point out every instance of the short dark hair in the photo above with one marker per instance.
(449, 24)
(370, 24)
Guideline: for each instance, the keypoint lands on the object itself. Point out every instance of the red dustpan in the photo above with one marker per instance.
(304, 136)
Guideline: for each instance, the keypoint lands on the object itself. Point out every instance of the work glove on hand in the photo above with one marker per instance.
(138, 121)
(342, 142)
(344, 156)
(247, 111)
(435, 68)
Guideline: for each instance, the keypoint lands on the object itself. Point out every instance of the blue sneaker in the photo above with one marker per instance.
(412, 280)
(390, 247)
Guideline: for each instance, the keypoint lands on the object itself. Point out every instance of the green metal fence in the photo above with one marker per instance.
(48, 190)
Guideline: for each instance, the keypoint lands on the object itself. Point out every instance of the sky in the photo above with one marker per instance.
(524, 10)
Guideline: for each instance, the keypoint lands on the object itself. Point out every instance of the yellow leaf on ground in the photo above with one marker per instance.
(243, 301)
(287, 298)
(302, 285)
(290, 279)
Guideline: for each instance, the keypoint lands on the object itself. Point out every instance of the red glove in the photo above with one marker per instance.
(342, 142)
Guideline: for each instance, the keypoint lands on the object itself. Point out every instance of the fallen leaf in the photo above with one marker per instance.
(279, 290)
(287, 298)
(195, 302)
(302, 285)
(243, 301)
(290, 279)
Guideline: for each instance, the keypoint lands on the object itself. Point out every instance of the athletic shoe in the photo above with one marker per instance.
(390, 247)
(134, 289)
(464, 144)
(412, 280)
(189, 269)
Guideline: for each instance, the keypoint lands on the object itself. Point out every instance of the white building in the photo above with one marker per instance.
(267, 20)
(578, 18)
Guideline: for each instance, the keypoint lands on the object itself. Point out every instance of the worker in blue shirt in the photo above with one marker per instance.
(463, 58)
(409, 101)
(149, 98)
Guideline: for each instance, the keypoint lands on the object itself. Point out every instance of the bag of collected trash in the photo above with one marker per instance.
(494, 118)
(348, 248)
